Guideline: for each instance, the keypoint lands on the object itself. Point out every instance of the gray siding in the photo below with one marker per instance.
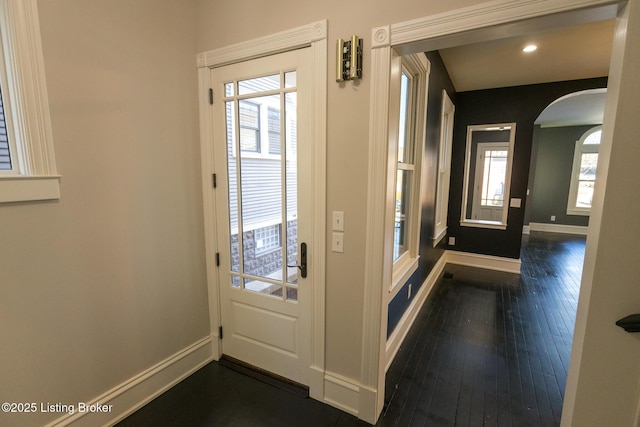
(261, 184)
(260, 173)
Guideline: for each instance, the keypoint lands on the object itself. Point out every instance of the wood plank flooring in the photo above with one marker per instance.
(488, 348)
(491, 348)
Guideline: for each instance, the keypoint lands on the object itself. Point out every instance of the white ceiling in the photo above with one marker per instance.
(581, 108)
(567, 53)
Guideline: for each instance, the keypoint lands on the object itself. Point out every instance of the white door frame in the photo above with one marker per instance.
(471, 24)
(314, 37)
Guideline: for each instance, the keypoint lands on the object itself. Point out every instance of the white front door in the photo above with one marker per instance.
(489, 183)
(262, 156)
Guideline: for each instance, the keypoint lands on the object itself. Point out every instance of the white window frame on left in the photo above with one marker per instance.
(418, 67)
(34, 175)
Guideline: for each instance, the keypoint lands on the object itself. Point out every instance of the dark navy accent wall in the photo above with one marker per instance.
(519, 104)
(429, 256)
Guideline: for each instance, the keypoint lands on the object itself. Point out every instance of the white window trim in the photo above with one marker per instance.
(420, 35)
(580, 148)
(444, 168)
(496, 225)
(403, 267)
(27, 107)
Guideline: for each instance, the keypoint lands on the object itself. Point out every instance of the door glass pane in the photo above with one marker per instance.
(228, 89)
(264, 288)
(249, 126)
(291, 172)
(494, 173)
(262, 179)
(273, 124)
(235, 281)
(259, 84)
(233, 187)
(290, 79)
(262, 207)
(292, 294)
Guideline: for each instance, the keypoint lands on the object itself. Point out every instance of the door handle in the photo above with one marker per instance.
(303, 260)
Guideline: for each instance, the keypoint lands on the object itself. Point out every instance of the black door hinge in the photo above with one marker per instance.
(220, 331)
(217, 259)
(214, 180)
(210, 96)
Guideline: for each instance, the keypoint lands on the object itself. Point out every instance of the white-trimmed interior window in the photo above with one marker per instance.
(583, 173)
(444, 168)
(407, 123)
(28, 170)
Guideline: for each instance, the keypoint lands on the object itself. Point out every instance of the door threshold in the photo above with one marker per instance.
(259, 374)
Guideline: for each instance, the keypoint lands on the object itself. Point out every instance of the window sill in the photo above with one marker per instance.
(403, 268)
(585, 212)
(484, 224)
(21, 188)
(439, 236)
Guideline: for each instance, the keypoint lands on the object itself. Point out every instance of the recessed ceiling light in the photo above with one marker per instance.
(530, 48)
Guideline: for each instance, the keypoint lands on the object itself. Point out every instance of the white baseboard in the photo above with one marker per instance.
(402, 328)
(526, 229)
(316, 383)
(338, 391)
(348, 394)
(490, 262)
(129, 396)
(342, 393)
(558, 228)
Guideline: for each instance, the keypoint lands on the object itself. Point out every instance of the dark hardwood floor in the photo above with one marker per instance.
(491, 348)
(487, 348)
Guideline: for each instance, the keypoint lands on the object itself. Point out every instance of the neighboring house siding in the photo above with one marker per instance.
(261, 171)
(261, 184)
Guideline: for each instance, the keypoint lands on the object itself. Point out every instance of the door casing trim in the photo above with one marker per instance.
(470, 24)
(314, 37)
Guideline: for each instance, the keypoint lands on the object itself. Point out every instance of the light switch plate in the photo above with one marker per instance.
(515, 203)
(338, 221)
(338, 242)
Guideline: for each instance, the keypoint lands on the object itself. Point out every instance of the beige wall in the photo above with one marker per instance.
(110, 279)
